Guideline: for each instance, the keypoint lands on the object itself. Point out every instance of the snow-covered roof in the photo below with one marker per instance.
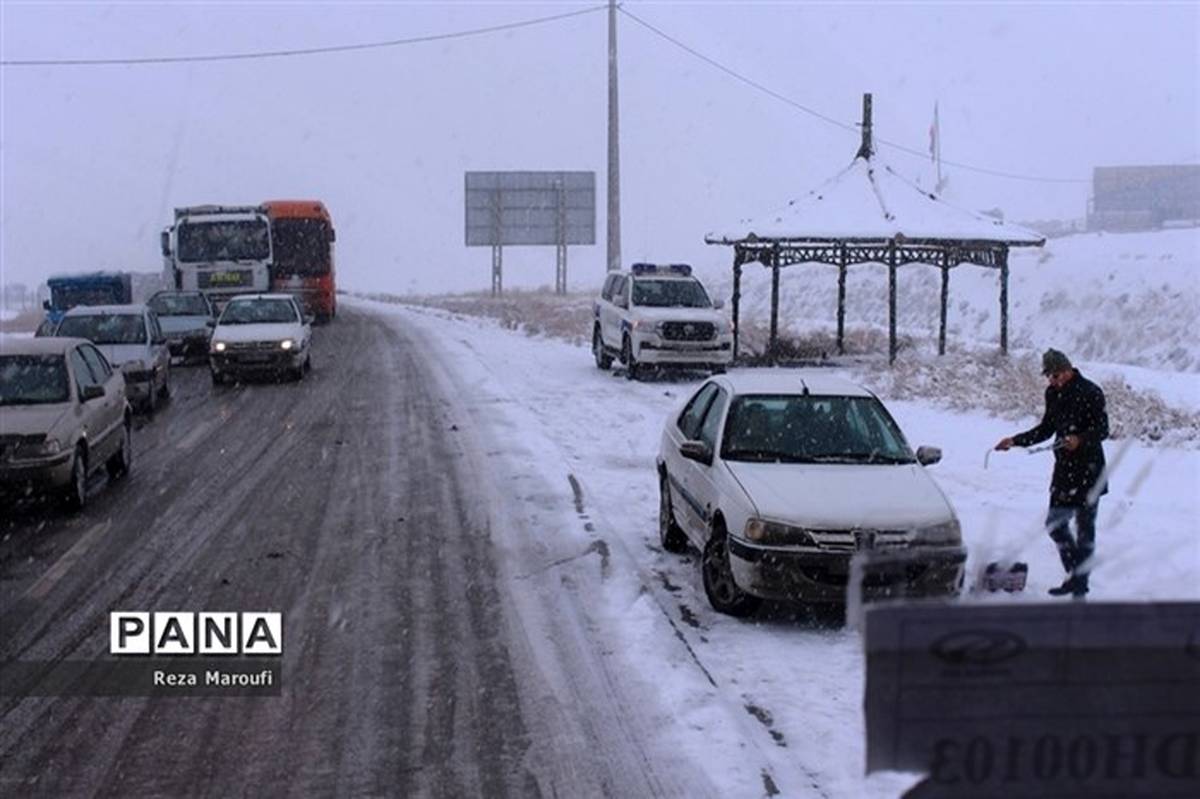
(127, 309)
(868, 200)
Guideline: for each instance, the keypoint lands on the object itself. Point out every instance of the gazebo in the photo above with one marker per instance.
(868, 213)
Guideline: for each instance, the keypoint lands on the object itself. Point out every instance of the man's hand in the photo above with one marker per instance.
(1004, 444)
(1071, 443)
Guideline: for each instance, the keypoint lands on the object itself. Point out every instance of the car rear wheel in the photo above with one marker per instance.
(723, 593)
(75, 495)
(118, 465)
(670, 534)
(603, 359)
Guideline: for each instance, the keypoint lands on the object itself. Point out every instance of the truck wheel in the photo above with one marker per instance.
(723, 592)
(603, 359)
(631, 366)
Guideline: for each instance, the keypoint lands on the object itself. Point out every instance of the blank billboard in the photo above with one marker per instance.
(530, 208)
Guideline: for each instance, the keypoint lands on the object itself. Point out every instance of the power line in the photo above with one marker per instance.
(340, 48)
(830, 120)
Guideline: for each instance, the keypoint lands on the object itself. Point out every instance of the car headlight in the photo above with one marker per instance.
(949, 532)
(286, 344)
(37, 449)
(762, 531)
(218, 346)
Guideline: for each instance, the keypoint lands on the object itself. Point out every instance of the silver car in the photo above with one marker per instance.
(64, 416)
(132, 340)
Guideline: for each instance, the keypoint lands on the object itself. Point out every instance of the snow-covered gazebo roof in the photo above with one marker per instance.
(869, 213)
(870, 201)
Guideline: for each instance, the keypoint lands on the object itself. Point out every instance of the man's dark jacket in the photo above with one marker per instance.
(1077, 409)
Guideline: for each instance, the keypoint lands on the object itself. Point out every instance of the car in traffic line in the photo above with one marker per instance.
(263, 334)
(187, 319)
(63, 416)
(659, 315)
(132, 340)
(780, 478)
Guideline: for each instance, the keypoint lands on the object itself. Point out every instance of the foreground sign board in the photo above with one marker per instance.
(530, 208)
(1057, 700)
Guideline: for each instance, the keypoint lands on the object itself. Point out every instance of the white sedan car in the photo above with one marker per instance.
(260, 334)
(779, 479)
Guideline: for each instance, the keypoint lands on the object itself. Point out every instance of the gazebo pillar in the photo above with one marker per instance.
(774, 305)
(945, 300)
(1004, 300)
(841, 309)
(736, 300)
(892, 301)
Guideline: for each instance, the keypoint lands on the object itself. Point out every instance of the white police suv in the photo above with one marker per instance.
(659, 315)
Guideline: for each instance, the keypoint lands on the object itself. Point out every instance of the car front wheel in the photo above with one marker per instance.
(670, 534)
(603, 359)
(631, 366)
(76, 491)
(723, 592)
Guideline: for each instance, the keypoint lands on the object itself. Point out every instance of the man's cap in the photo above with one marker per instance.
(1054, 361)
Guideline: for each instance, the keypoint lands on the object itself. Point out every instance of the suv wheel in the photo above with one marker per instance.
(603, 359)
(76, 491)
(631, 367)
(670, 534)
(118, 465)
(723, 593)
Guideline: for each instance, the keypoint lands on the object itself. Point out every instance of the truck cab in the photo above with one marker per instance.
(219, 250)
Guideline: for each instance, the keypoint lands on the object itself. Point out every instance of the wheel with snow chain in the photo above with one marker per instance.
(723, 592)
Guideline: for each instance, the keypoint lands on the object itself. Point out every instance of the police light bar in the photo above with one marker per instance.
(649, 269)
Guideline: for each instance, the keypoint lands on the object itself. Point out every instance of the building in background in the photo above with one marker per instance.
(1128, 198)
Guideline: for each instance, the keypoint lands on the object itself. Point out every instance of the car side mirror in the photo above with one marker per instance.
(309, 319)
(927, 456)
(45, 305)
(718, 305)
(210, 322)
(164, 242)
(696, 451)
(89, 393)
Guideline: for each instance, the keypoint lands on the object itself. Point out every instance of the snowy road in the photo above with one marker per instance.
(429, 649)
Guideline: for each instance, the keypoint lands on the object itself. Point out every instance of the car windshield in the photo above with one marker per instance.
(224, 241)
(105, 328)
(179, 305)
(252, 312)
(792, 428)
(670, 294)
(32, 379)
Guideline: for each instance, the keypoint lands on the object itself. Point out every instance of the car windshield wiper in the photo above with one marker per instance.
(763, 454)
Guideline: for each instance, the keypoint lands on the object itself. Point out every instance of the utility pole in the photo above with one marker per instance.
(614, 150)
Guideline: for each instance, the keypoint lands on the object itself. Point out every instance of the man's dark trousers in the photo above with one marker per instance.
(1074, 550)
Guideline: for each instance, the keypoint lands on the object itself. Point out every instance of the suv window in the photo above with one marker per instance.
(607, 291)
(689, 420)
(709, 428)
(100, 368)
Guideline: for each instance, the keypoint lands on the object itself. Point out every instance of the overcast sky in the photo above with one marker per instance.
(95, 157)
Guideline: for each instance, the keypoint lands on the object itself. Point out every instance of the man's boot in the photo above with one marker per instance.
(1068, 587)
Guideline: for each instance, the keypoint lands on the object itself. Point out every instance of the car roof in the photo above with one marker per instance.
(261, 297)
(97, 310)
(45, 345)
(792, 381)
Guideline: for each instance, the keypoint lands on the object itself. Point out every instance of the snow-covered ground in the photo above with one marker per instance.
(779, 695)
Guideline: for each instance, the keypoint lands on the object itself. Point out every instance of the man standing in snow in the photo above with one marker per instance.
(1076, 417)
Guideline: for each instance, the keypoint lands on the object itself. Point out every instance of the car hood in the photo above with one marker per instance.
(843, 496)
(268, 331)
(118, 354)
(29, 420)
(679, 314)
(182, 324)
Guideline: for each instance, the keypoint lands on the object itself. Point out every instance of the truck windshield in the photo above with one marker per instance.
(793, 428)
(105, 328)
(670, 294)
(32, 379)
(301, 247)
(179, 305)
(239, 240)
